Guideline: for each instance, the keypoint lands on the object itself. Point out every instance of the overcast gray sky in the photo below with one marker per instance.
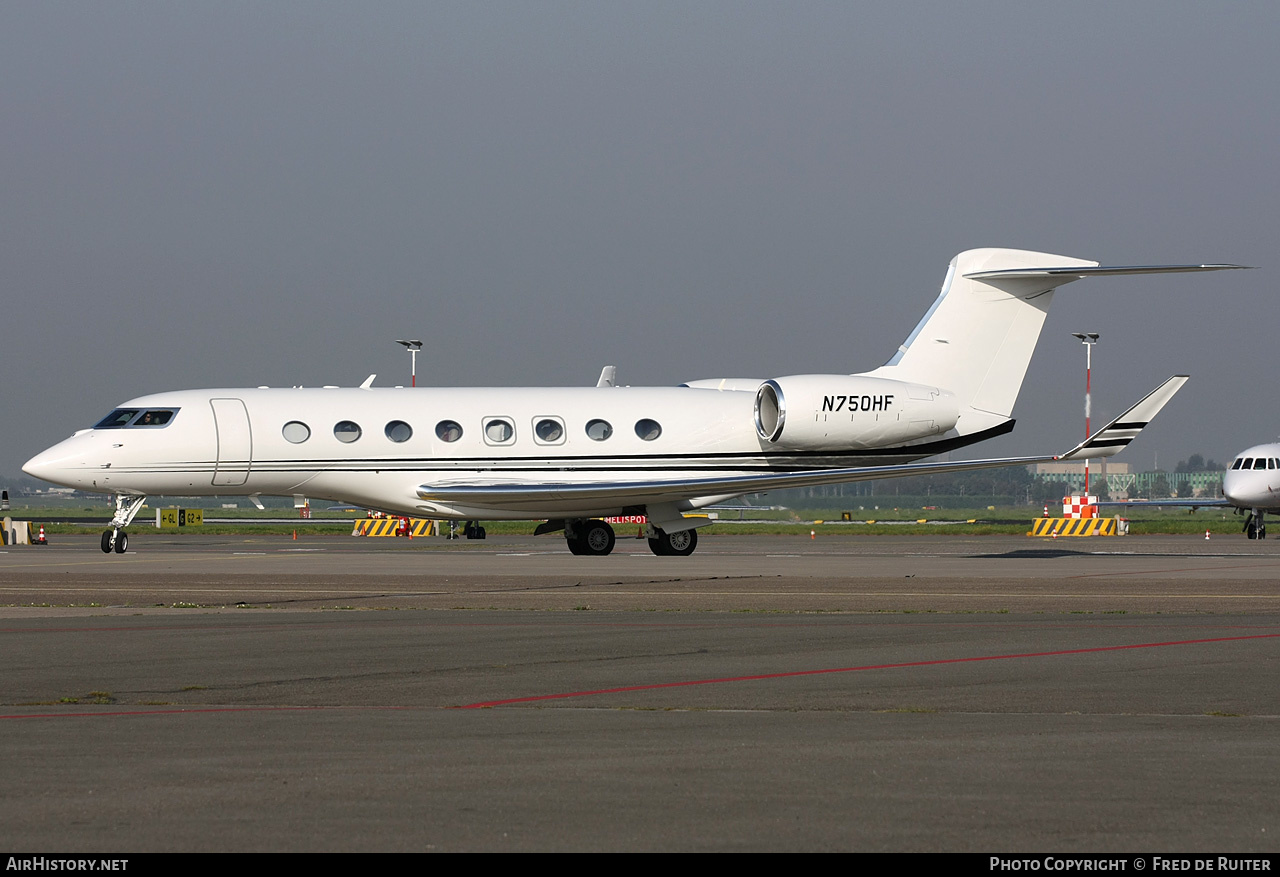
(233, 194)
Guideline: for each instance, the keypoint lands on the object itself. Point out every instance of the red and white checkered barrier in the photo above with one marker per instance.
(1079, 507)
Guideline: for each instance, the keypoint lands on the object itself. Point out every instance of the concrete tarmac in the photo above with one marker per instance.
(983, 694)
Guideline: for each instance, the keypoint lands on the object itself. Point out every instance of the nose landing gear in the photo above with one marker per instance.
(116, 539)
(1255, 526)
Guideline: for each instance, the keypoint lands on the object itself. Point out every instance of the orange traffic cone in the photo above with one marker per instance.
(1206, 535)
(40, 540)
(295, 535)
(813, 534)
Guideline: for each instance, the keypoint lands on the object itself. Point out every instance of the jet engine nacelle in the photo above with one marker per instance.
(839, 412)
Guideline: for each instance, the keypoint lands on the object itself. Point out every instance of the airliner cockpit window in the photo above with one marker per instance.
(1260, 463)
(136, 417)
(1238, 463)
(117, 419)
(154, 418)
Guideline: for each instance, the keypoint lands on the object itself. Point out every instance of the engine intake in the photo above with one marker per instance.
(849, 412)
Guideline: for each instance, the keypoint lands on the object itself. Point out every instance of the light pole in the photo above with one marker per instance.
(1088, 339)
(413, 347)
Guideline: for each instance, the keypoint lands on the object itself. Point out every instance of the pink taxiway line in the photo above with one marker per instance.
(794, 673)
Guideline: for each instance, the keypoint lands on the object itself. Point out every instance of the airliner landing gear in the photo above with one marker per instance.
(116, 539)
(1255, 526)
(590, 537)
(678, 544)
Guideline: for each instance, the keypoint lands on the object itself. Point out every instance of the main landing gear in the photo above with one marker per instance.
(678, 544)
(116, 539)
(590, 536)
(1255, 526)
(470, 530)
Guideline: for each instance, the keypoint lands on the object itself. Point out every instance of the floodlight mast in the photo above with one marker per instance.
(1088, 339)
(413, 347)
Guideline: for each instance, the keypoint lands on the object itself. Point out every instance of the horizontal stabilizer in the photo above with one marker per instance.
(1097, 271)
(1116, 435)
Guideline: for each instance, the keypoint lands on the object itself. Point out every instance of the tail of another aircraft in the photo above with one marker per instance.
(978, 337)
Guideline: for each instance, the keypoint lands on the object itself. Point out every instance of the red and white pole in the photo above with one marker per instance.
(1088, 404)
(1088, 339)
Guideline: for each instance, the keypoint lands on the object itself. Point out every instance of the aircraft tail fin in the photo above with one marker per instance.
(978, 337)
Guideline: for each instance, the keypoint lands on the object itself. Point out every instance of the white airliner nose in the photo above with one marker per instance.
(40, 465)
(1251, 490)
(64, 464)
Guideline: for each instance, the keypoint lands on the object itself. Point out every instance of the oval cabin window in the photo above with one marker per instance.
(399, 431)
(549, 430)
(648, 430)
(498, 431)
(346, 431)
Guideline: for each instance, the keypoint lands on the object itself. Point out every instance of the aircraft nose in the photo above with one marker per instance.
(64, 464)
(1246, 489)
(40, 465)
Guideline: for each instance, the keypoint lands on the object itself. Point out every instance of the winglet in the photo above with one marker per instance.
(1116, 435)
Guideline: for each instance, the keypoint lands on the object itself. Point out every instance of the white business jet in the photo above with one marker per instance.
(1251, 484)
(574, 455)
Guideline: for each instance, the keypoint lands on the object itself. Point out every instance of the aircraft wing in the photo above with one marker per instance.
(591, 494)
(1188, 503)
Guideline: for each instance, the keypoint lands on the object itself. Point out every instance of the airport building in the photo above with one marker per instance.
(1123, 483)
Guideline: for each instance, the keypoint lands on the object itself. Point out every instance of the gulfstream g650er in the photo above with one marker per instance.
(574, 455)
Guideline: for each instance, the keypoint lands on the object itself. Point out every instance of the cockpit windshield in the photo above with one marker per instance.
(116, 419)
(137, 417)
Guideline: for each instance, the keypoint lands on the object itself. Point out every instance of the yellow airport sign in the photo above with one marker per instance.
(166, 518)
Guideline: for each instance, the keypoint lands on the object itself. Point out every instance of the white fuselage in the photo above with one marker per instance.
(1258, 485)
(291, 440)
